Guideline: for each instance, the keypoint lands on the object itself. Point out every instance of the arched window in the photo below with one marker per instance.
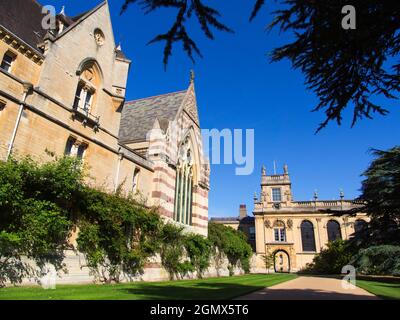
(333, 230)
(184, 185)
(307, 236)
(359, 225)
(279, 231)
(89, 81)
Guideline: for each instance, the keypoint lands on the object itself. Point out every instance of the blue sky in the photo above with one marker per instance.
(238, 88)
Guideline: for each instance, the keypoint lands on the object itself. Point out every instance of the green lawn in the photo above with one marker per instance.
(211, 288)
(383, 289)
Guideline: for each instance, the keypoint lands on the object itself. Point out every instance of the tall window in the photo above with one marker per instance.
(184, 186)
(7, 61)
(307, 236)
(83, 98)
(359, 225)
(276, 195)
(135, 180)
(279, 232)
(333, 230)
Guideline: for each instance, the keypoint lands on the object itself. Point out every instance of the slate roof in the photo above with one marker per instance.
(138, 116)
(24, 19)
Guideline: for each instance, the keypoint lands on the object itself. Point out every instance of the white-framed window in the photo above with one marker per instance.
(135, 180)
(74, 148)
(276, 194)
(279, 234)
(7, 61)
(83, 98)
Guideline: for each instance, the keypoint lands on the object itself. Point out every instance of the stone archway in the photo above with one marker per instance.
(281, 261)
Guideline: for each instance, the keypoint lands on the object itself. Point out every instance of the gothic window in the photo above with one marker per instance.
(359, 225)
(276, 195)
(88, 84)
(307, 236)
(333, 230)
(279, 231)
(7, 61)
(184, 186)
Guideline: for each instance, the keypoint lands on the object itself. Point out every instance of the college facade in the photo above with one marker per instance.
(62, 91)
(293, 231)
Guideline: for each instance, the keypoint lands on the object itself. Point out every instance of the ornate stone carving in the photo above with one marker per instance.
(267, 224)
(99, 37)
(289, 224)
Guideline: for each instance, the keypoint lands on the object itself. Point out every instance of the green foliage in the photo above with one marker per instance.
(332, 259)
(198, 250)
(35, 216)
(269, 260)
(378, 260)
(232, 244)
(117, 235)
(172, 251)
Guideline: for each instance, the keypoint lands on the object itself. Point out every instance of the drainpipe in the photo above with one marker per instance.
(27, 88)
(120, 157)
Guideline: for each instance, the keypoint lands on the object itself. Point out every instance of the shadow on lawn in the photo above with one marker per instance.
(304, 294)
(208, 291)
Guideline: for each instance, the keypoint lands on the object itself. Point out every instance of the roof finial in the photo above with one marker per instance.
(285, 169)
(62, 12)
(119, 48)
(191, 76)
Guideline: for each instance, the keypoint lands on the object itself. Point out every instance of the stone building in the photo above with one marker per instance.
(294, 231)
(62, 91)
(243, 222)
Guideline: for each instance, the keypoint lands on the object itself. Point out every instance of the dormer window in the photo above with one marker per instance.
(7, 61)
(276, 195)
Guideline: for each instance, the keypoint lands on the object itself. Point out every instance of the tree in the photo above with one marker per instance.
(380, 194)
(341, 66)
(269, 260)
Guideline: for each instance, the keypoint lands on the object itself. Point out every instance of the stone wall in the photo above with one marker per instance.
(79, 273)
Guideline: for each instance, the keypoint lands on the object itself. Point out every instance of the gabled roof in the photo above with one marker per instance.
(138, 116)
(24, 19)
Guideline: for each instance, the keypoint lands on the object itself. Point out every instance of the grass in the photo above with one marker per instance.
(210, 289)
(383, 289)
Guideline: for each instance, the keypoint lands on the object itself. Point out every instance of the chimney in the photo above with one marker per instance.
(242, 211)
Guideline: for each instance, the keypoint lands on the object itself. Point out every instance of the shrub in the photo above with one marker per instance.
(232, 244)
(332, 259)
(378, 260)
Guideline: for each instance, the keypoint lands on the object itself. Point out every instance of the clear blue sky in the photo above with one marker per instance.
(238, 88)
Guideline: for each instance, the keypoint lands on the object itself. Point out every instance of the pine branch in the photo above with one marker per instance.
(206, 16)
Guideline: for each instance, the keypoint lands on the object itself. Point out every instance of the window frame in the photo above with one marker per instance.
(10, 64)
(280, 234)
(310, 244)
(273, 195)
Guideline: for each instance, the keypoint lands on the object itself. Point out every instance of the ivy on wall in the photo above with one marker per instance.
(41, 203)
